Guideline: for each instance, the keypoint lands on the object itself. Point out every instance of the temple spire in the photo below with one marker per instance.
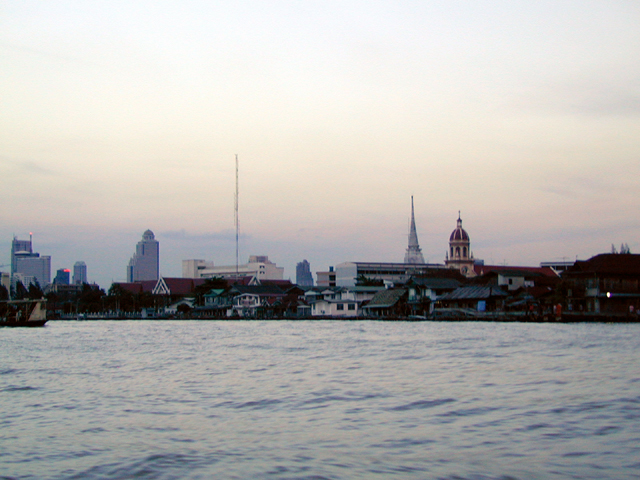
(414, 253)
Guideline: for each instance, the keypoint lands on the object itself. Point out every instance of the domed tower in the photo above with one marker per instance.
(148, 236)
(459, 255)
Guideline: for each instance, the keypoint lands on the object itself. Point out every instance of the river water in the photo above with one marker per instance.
(319, 400)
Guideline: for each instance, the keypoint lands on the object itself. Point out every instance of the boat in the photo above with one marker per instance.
(25, 313)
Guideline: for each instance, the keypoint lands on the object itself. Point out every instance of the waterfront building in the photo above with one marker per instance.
(339, 301)
(388, 304)
(258, 266)
(482, 298)
(512, 278)
(459, 255)
(348, 273)
(606, 283)
(79, 273)
(62, 276)
(303, 274)
(145, 263)
(413, 254)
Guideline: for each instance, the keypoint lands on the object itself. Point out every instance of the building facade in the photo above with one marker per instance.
(145, 263)
(258, 266)
(33, 269)
(326, 279)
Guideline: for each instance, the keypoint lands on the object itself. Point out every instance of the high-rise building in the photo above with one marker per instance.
(62, 276)
(414, 253)
(28, 265)
(79, 273)
(145, 263)
(20, 248)
(304, 278)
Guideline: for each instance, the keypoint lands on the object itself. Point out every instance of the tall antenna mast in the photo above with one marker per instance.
(235, 218)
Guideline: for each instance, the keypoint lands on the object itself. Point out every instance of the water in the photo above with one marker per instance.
(319, 400)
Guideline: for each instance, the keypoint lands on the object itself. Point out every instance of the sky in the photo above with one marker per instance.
(121, 116)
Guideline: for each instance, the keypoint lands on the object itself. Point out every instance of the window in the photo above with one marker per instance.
(351, 306)
(340, 306)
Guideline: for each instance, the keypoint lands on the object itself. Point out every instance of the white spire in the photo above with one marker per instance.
(414, 253)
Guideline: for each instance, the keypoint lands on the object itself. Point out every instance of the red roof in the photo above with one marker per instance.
(138, 287)
(181, 286)
(283, 284)
(134, 288)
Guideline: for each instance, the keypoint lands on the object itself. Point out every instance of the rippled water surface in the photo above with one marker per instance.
(316, 400)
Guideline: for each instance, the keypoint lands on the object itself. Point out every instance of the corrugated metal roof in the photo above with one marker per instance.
(473, 293)
(386, 298)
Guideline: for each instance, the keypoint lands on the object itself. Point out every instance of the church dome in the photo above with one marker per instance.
(459, 234)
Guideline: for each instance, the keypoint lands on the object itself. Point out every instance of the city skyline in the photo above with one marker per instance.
(123, 117)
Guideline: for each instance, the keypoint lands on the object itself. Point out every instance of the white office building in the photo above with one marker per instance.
(258, 266)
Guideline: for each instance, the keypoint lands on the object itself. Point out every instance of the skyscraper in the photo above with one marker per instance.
(28, 265)
(145, 263)
(20, 248)
(62, 277)
(303, 274)
(414, 253)
(79, 273)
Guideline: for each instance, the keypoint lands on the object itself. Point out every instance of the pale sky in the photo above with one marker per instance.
(119, 116)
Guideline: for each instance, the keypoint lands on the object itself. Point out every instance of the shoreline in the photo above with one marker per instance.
(497, 317)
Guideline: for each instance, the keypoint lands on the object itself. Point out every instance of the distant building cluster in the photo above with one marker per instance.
(30, 268)
(461, 286)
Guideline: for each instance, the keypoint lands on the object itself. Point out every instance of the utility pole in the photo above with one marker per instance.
(236, 220)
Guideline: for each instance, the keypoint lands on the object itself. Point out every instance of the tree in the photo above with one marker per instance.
(19, 291)
(35, 292)
(90, 298)
(363, 281)
(120, 298)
